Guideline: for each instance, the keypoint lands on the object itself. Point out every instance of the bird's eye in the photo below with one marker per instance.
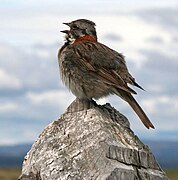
(74, 27)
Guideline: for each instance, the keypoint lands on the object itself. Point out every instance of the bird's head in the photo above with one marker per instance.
(80, 28)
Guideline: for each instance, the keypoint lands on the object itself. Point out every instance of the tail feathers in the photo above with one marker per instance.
(139, 111)
(136, 107)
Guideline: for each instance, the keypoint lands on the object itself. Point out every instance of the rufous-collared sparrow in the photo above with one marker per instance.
(92, 70)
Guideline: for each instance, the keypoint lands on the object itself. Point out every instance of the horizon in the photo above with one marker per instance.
(143, 140)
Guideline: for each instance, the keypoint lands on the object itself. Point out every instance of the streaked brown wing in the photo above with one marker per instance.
(107, 64)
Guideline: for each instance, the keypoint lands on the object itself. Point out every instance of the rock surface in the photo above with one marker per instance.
(90, 142)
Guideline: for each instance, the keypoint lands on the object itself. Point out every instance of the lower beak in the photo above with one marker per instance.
(64, 31)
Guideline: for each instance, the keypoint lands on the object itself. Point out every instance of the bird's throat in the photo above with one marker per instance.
(85, 38)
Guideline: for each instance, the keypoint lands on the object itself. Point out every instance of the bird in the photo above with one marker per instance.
(90, 69)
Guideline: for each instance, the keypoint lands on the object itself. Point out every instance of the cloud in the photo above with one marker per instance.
(34, 68)
(158, 103)
(8, 107)
(155, 88)
(161, 70)
(165, 17)
(8, 81)
(155, 40)
(112, 37)
(28, 55)
(50, 98)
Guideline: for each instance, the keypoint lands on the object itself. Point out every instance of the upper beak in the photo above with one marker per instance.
(68, 24)
(65, 31)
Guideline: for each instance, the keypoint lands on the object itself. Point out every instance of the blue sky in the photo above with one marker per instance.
(31, 93)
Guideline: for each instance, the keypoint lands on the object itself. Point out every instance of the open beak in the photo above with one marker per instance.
(65, 31)
(68, 24)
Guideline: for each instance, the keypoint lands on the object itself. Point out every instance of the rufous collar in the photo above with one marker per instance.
(85, 38)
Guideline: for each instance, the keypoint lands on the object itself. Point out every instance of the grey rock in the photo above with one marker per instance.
(90, 142)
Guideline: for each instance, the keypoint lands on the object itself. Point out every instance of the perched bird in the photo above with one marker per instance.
(92, 70)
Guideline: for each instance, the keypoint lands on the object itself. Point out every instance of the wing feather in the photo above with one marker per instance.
(106, 63)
